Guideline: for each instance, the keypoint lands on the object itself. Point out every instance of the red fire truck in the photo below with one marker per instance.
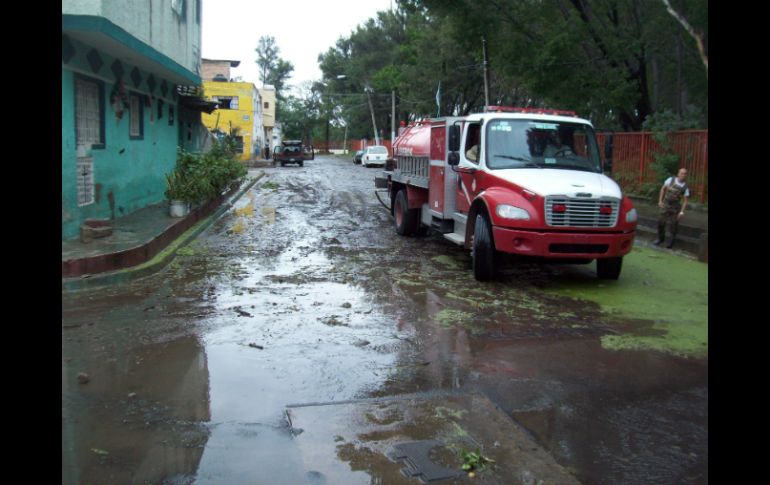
(522, 181)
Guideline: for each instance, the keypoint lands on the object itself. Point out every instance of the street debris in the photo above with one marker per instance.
(242, 313)
(255, 346)
(333, 321)
(346, 305)
(474, 461)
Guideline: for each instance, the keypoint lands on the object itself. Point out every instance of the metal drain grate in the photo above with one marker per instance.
(416, 457)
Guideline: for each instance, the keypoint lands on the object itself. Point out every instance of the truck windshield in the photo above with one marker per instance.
(543, 144)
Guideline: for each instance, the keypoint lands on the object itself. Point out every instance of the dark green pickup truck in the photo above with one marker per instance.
(290, 151)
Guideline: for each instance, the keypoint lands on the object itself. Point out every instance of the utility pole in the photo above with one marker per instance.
(392, 117)
(371, 108)
(327, 130)
(486, 73)
(345, 140)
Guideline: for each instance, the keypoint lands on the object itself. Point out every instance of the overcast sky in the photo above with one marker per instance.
(302, 30)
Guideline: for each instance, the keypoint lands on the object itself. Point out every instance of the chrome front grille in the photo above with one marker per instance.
(581, 212)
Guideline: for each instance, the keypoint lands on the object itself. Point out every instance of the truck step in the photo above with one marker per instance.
(442, 225)
(461, 218)
(455, 238)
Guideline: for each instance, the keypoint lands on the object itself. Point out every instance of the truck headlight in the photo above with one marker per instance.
(510, 212)
(631, 215)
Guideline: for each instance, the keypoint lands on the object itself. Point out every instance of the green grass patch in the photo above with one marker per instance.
(669, 290)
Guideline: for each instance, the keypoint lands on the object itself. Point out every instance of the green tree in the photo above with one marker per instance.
(615, 61)
(267, 57)
(272, 69)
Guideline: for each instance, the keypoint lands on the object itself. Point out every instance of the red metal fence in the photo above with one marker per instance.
(351, 145)
(634, 153)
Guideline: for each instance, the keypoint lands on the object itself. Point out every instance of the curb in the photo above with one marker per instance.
(160, 260)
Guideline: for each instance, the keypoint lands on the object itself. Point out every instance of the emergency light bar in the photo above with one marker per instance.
(540, 111)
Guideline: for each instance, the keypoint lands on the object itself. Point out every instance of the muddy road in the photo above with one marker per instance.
(302, 293)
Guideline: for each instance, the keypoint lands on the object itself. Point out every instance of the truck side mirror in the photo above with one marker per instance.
(454, 138)
(608, 142)
(608, 145)
(453, 159)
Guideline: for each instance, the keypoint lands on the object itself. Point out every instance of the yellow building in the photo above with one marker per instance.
(240, 106)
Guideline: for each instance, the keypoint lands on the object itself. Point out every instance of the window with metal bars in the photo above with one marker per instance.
(89, 112)
(226, 102)
(85, 180)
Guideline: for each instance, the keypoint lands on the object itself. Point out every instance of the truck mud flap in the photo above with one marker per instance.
(381, 182)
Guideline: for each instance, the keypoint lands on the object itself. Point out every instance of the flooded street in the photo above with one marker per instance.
(303, 294)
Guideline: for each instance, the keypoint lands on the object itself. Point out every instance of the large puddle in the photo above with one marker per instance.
(303, 294)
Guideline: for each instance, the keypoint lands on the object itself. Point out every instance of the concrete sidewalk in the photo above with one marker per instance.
(141, 242)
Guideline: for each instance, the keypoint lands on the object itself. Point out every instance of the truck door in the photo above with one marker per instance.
(470, 154)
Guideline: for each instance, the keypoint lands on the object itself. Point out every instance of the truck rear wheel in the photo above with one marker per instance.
(609, 268)
(483, 251)
(407, 220)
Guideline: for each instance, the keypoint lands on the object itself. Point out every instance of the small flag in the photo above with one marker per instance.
(438, 99)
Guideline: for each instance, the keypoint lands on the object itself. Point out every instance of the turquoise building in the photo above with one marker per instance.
(130, 75)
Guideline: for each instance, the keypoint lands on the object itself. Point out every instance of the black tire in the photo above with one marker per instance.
(301, 164)
(609, 268)
(483, 250)
(407, 220)
(283, 164)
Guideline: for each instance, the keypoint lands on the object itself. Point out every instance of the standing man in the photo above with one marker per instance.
(672, 202)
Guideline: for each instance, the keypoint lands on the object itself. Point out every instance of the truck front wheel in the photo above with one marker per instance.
(407, 219)
(609, 268)
(483, 250)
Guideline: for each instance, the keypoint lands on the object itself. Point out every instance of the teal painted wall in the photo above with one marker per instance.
(133, 171)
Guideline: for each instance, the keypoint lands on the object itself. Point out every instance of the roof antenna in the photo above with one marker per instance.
(486, 73)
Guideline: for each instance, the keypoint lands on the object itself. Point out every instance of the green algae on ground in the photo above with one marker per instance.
(669, 290)
(444, 413)
(680, 339)
(450, 318)
(481, 303)
(452, 263)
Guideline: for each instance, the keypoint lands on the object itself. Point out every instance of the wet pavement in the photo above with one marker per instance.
(304, 294)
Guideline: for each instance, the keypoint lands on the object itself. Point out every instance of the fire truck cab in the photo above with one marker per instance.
(512, 180)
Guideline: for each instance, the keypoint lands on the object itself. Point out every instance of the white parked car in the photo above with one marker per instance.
(375, 155)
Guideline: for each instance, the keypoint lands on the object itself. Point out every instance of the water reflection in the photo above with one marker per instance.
(139, 417)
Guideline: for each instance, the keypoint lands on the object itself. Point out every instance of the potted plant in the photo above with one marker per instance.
(198, 178)
(178, 194)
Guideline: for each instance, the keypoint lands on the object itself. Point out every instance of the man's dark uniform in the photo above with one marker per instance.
(669, 214)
